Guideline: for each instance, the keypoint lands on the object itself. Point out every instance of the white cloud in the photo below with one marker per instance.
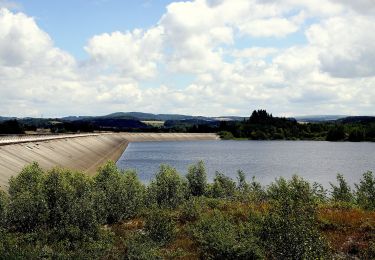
(254, 52)
(346, 45)
(133, 54)
(331, 71)
(277, 27)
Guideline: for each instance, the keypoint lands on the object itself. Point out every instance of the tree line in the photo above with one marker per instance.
(263, 126)
(259, 126)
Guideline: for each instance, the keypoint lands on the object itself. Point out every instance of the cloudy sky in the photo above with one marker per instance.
(201, 57)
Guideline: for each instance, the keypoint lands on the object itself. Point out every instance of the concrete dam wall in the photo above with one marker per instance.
(85, 152)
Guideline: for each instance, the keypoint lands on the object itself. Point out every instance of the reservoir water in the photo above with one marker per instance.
(266, 160)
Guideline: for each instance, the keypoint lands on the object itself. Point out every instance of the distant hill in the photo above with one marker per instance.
(318, 118)
(357, 119)
(2, 119)
(153, 117)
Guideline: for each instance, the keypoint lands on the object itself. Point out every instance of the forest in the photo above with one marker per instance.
(263, 126)
(64, 214)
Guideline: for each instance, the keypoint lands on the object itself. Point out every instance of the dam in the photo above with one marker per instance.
(82, 152)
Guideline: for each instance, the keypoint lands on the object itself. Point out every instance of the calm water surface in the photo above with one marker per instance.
(266, 160)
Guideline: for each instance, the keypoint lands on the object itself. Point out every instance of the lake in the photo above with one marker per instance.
(266, 160)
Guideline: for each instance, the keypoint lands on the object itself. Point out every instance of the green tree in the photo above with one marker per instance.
(336, 133)
(290, 226)
(197, 179)
(342, 192)
(365, 191)
(28, 209)
(168, 189)
(4, 204)
(134, 194)
(71, 203)
(356, 135)
(112, 193)
(223, 186)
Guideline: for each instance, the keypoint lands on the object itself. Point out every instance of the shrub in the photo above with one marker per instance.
(70, 199)
(223, 186)
(197, 179)
(28, 209)
(4, 203)
(112, 193)
(365, 191)
(27, 212)
(319, 193)
(134, 192)
(141, 247)
(242, 185)
(342, 192)
(225, 135)
(219, 238)
(191, 210)
(30, 179)
(168, 189)
(290, 226)
(160, 226)
(252, 191)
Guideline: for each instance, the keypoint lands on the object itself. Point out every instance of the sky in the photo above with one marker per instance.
(198, 57)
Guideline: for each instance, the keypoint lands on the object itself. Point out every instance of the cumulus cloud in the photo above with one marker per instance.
(133, 54)
(345, 45)
(277, 27)
(229, 51)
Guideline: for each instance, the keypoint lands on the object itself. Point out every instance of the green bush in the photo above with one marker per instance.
(168, 189)
(191, 210)
(249, 192)
(225, 135)
(319, 193)
(30, 179)
(365, 191)
(160, 226)
(223, 186)
(342, 192)
(197, 179)
(4, 204)
(141, 247)
(219, 238)
(71, 203)
(28, 209)
(27, 212)
(134, 194)
(290, 226)
(112, 193)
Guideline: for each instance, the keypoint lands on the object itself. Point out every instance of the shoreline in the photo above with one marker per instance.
(83, 152)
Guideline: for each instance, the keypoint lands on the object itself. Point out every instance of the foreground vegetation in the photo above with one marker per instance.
(63, 214)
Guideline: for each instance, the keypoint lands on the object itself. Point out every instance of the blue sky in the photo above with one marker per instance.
(200, 57)
(71, 23)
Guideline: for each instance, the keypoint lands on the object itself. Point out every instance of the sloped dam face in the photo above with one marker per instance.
(85, 152)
